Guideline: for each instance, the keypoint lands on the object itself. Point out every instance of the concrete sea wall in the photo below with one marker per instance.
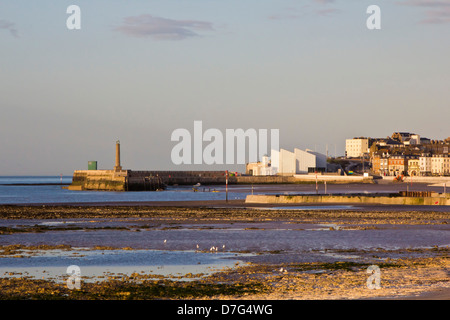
(431, 180)
(331, 178)
(439, 199)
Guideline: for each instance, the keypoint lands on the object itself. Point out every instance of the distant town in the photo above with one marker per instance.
(401, 154)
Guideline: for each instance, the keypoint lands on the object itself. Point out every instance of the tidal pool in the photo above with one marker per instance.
(171, 247)
(95, 265)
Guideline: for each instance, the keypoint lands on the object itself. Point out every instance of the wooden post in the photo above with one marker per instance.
(226, 186)
(317, 189)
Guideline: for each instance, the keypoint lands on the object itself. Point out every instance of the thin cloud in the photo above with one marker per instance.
(437, 16)
(438, 11)
(307, 10)
(426, 3)
(9, 26)
(146, 25)
(327, 12)
(324, 1)
(290, 13)
(282, 16)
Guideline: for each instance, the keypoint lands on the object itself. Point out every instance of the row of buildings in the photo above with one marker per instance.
(403, 153)
(399, 142)
(411, 165)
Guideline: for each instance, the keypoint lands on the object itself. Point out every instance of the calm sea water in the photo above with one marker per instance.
(94, 264)
(48, 189)
(32, 189)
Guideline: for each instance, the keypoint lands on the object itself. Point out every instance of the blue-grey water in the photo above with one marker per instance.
(94, 264)
(32, 189)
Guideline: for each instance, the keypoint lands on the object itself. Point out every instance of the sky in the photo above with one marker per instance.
(138, 70)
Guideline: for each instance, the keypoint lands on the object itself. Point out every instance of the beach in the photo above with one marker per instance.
(307, 253)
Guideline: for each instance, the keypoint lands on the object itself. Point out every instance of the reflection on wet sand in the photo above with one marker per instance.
(140, 243)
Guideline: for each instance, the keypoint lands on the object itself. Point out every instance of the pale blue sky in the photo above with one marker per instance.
(137, 70)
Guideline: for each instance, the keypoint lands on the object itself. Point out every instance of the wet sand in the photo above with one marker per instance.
(222, 208)
(425, 276)
(230, 204)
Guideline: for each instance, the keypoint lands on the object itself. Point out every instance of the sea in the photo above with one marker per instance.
(49, 189)
(175, 249)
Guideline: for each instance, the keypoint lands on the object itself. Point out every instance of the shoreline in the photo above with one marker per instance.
(404, 279)
(237, 204)
(222, 210)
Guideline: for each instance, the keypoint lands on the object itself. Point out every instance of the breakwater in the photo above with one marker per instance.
(130, 180)
(113, 180)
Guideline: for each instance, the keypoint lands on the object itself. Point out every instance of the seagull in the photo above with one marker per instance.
(165, 240)
(223, 247)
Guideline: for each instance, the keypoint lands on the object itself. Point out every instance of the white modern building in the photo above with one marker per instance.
(309, 161)
(300, 162)
(356, 147)
(286, 163)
